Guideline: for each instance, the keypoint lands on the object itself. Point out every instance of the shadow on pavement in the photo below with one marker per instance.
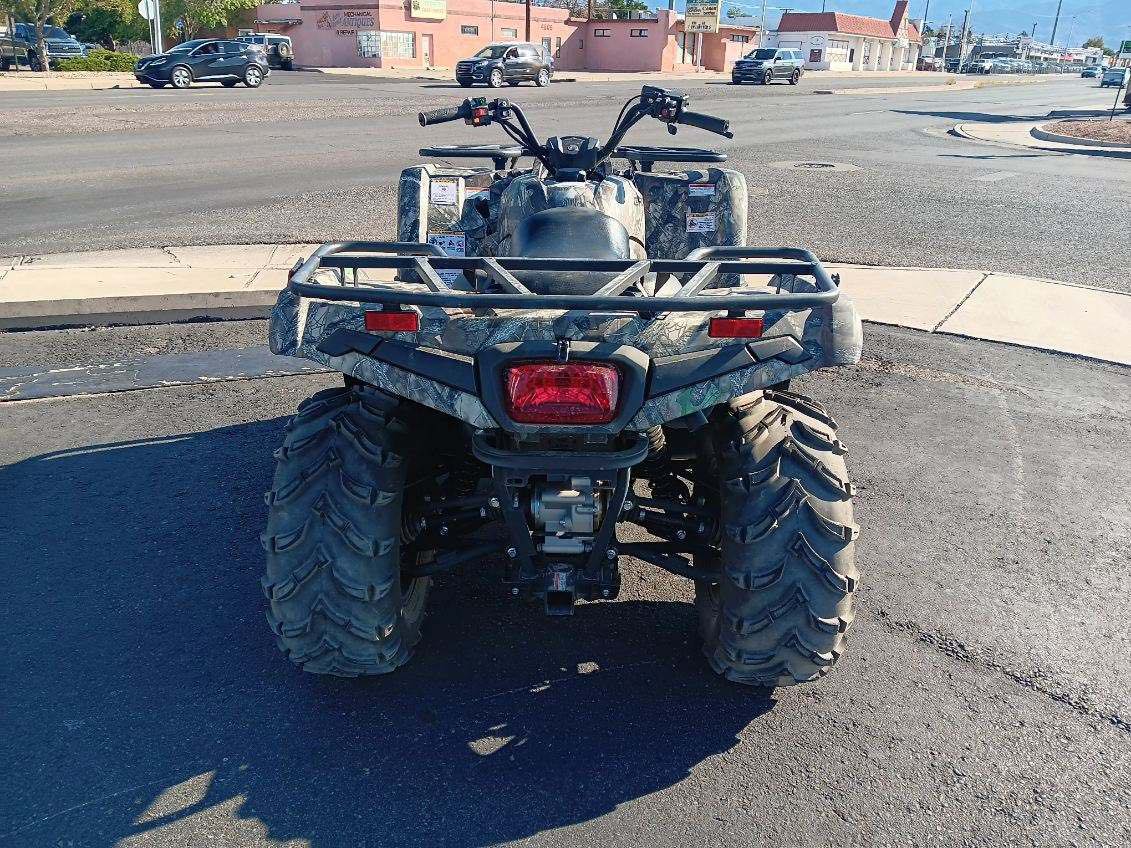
(145, 697)
(979, 117)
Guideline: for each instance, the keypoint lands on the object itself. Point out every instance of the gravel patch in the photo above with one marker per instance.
(1101, 130)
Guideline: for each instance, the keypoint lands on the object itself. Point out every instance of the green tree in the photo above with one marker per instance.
(1095, 41)
(736, 12)
(107, 22)
(195, 16)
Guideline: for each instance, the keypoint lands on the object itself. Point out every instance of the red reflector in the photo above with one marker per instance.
(392, 321)
(562, 393)
(735, 328)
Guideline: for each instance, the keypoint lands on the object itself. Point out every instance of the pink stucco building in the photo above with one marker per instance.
(434, 33)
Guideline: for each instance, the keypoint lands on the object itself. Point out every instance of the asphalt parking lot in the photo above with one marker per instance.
(984, 699)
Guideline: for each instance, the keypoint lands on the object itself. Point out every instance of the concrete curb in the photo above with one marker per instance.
(1045, 135)
(1016, 134)
(152, 285)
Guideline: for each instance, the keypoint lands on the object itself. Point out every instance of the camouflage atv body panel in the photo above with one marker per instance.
(815, 338)
(484, 206)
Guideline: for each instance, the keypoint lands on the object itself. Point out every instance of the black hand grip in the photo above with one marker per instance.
(706, 122)
(441, 116)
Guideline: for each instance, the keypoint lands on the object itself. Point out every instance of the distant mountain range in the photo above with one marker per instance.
(1079, 19)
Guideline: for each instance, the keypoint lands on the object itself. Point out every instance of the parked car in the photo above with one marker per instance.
(12, 52)
(60, 44)
(511, 62)
(1090, 72)
(278, 48)
(767, 64)
(1115, 77)
(980, 66)
(205, 60)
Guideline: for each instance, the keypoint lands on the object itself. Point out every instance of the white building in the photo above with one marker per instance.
(836, 41)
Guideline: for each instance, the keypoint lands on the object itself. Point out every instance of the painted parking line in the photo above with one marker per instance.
(995, 176)
(176, 369)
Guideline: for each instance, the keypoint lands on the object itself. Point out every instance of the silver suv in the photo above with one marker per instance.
(767, 64)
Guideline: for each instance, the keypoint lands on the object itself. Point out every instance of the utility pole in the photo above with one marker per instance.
(926, 11)
(527, 20)
(962, 41)
(946, 44)
(1055, 21)
(762, 26)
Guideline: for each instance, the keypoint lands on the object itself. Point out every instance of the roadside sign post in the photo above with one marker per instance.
(151, 11)
(1118, 89)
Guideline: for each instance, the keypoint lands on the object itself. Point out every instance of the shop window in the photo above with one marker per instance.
(638, 33)
(602, 33)
(509, 32)
(468, 29)
(368, 44)
(398, 45)
(557, 48)
(741, 39)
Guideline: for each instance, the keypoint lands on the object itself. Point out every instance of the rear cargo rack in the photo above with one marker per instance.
(697, 273)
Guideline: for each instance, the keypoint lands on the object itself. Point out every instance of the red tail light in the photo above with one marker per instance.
(562, 392)
(735, 328)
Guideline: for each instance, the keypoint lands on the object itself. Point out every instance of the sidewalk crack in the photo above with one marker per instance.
(169, 251)
(960, 303)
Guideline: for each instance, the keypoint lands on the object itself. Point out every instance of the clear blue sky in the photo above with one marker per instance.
(1109, 18)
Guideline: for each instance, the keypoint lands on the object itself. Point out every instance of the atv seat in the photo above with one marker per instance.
(570, 232)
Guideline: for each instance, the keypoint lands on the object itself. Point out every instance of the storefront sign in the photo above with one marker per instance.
(347, 22)
(701, 16)
(433, 10)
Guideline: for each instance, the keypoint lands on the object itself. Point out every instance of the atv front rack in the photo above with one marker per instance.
(697, 273)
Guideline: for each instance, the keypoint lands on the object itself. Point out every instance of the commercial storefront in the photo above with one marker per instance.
(409, 34)
(836, 41)
(435, 33)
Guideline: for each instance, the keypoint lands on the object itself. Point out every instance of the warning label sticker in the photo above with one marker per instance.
(701, 190)
(701, 222)
(444, 192)
(453, 244)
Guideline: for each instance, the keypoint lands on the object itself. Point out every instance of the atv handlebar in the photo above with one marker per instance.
(666, 105)
(442, 116)
(705, 122)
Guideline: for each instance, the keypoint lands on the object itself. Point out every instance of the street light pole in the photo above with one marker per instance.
(1055, 21)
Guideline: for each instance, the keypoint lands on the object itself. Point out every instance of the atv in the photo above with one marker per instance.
(544, 356)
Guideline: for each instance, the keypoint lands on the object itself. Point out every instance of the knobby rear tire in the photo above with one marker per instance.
(779, 615)
(333, 539)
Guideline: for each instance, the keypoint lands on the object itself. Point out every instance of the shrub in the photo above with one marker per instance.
(100, 60)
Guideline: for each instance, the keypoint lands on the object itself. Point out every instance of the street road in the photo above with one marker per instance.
(316, 158)
(984, 700)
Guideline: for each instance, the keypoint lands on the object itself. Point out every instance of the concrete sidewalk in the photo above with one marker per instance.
(66, 81)
(1020, 134)
(232, 281)
(918, 80)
